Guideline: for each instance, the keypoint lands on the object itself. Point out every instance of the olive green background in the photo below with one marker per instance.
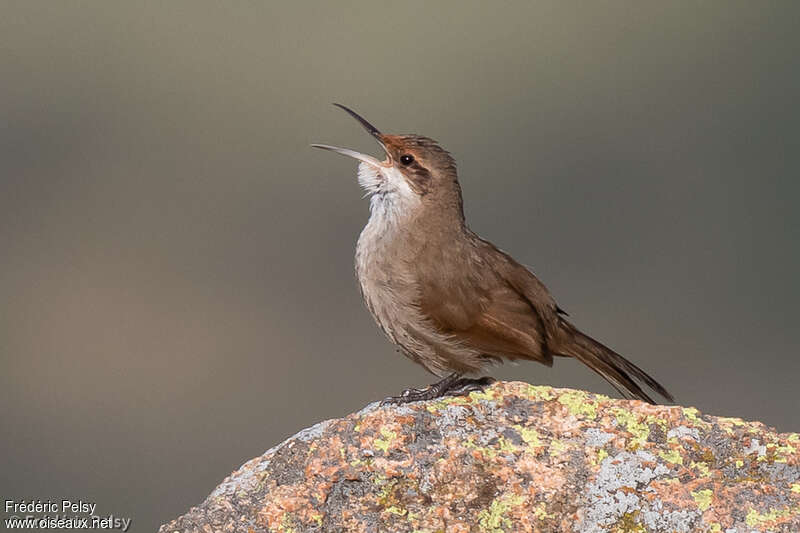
(176, 279)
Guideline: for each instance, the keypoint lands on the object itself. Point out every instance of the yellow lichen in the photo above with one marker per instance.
(540, 512)
(782, 453)
(578, 403)
(702, 498)
(601, 397)
(733, 420)
(796, 488)
(387, 497)
(556, 447)
(529, 435)
(628, 523)
(493, 519)
(754, 518)
(701, 467)
(486, 394)
(437, 405)
(693, 414)
(287, 524)
(488, 452)
(506, 446)
(539, 392)
(384, 443)
(729, 420)
(632, 423)
(601, 455)
(673, 456)
(489, 393)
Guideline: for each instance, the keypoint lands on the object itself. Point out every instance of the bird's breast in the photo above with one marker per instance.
(386, 267)
(387, 283)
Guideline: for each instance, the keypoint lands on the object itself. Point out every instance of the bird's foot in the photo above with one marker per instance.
(466, 385)
(452, 385)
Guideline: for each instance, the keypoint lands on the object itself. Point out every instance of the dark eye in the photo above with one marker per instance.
(406, 159)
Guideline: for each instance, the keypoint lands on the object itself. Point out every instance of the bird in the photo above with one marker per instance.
(451, 301)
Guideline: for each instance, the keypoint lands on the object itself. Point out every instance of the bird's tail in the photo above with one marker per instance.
(609, 364)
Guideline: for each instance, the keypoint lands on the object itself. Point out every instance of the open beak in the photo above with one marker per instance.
(352, 153)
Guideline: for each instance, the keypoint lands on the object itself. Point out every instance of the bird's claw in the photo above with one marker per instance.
(451, 386)
(464, 386)
(407, 396)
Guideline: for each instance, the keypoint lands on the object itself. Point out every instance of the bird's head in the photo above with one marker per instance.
(416, 171)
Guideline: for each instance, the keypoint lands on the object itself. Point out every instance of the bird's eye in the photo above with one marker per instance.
(406, 159)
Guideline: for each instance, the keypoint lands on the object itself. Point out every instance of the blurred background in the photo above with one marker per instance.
(177, 265)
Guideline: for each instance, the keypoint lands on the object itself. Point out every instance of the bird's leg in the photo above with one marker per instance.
(466, 385)
(451, 385)
(430, 392)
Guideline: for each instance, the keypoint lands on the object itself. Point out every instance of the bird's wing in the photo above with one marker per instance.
(530, 288)
(497, 306)
(486, 302)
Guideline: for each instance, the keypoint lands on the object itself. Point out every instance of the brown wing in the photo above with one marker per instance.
(482, 296)
(496, 306)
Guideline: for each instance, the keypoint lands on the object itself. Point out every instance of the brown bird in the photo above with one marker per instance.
(451, 301)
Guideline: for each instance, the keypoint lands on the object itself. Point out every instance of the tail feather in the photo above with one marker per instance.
(610, 365)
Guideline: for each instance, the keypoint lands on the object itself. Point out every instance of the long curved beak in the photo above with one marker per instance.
(372, 130)
(361, 120)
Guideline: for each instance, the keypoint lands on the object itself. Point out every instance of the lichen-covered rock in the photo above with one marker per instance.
(515, 458)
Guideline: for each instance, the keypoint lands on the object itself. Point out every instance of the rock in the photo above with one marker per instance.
(516, 457)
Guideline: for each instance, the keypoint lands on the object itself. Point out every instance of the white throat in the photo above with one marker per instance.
(391, 197)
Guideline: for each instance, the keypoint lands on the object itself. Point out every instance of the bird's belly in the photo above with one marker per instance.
(392, 297)
(391, 304)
